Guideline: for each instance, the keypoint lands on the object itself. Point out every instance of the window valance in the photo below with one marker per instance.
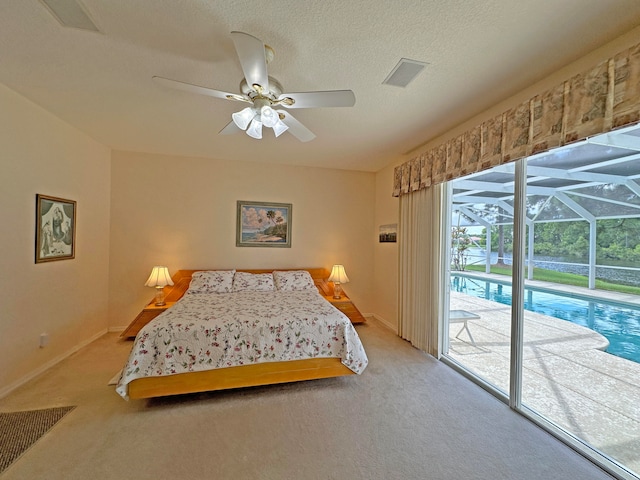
(596, 101)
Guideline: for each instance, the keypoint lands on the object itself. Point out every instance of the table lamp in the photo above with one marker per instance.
(158, 279)
(338, 276)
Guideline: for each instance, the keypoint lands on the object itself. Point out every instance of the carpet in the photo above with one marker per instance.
(20, 430)
(408, 417)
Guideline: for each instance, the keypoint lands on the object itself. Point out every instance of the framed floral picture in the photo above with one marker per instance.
(263, 224)
(55, 228)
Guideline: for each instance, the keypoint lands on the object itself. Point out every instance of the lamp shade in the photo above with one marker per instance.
(268, 116)
(159, 277)
(243, 117)
(255, 129)
(279, 128)
(338, 275)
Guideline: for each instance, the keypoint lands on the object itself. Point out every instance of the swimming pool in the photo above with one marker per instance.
(619, 323)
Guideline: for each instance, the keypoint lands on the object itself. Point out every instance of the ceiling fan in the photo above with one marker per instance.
(265, 94)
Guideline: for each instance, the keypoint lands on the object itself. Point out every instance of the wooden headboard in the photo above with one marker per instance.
(182, 278)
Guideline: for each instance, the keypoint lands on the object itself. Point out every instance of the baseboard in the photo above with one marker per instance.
(116, 329)
(384, 322)
(43, 368)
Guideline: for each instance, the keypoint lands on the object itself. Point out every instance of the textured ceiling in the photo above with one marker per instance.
(479, 52)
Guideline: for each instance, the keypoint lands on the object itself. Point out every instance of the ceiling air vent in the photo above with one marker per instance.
(70, 13)
(405, 71)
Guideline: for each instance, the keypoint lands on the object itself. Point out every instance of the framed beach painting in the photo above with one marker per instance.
(263, 224)
(55, 229)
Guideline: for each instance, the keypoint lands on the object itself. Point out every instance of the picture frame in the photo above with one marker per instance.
(388, 233)
(263, 224)
(55, 229)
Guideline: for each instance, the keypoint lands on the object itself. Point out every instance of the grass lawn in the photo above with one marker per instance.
(561, 278)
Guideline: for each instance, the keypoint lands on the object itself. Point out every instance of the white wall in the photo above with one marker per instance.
(385, 277)
(181, 212)
(66, 299)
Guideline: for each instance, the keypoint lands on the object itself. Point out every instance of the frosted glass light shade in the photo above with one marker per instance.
(243, 117)
(255, 129)
(279, 128)
(268, 116)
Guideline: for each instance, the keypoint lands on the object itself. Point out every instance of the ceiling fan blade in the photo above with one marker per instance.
(188, 87)
(230, 128)
(296, 129)
(333, 98)
(253, 59)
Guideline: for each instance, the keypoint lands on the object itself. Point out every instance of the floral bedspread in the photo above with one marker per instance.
(207, 331)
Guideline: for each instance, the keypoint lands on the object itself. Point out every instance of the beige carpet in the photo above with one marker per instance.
(407, 417)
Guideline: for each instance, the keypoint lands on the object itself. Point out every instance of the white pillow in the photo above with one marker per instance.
(256, 282)
(293, 280)
(211, 281)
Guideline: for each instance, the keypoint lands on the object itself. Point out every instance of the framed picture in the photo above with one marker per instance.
(55, 229)
(388, 233)
(263, 224)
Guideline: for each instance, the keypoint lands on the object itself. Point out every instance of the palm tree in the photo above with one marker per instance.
(271, 214)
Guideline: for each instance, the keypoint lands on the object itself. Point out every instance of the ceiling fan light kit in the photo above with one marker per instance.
(249, 117)
(265, 92)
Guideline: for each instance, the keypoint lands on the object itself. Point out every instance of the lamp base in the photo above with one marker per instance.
(337, 291)
(160, 297)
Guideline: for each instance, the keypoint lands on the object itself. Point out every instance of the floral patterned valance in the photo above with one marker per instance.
(593, 102)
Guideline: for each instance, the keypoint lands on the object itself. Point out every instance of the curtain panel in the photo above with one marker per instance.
(596, 101)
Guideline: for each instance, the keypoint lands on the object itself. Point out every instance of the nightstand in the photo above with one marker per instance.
(346, 306)
(150, 312)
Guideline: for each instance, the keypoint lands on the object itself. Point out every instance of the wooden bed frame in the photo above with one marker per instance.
(244, 376)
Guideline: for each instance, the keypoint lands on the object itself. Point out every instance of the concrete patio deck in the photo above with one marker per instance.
(567, 376)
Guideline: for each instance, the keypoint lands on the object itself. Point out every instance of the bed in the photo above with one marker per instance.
(232, 329)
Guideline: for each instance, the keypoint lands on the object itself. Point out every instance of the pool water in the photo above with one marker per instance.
(620, 324)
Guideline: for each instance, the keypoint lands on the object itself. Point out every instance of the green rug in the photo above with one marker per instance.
(20, 430)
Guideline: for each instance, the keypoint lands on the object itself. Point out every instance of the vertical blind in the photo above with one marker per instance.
(420, 268)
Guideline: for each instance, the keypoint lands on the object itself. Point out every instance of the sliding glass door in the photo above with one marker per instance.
(479, 319)
(544, 301)
(581, 365)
